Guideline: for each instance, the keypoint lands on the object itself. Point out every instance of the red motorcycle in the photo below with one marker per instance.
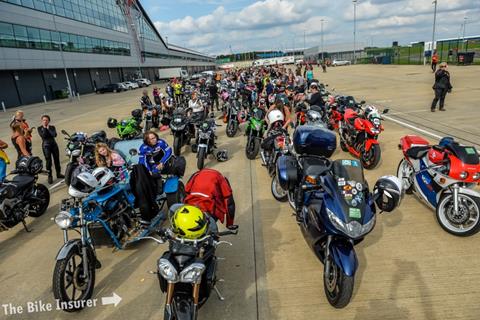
(336, 106)
(359, 134)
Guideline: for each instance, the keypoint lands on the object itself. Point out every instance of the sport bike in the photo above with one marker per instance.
(233, 112)
(205, 142)
(359, 132)
(444, 176)
(181, 129)
(22, 196)
(127, 128)
(254, 131)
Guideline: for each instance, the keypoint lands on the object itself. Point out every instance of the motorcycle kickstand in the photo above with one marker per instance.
(219, 295)
(25, 226)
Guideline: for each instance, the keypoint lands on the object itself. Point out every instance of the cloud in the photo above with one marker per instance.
(267, 24)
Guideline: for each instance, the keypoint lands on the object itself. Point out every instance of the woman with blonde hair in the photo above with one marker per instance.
(106, 157)
(20, 142)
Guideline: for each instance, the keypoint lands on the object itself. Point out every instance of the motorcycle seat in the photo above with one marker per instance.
(467, 155)
(417, 152)
(313, 166)
(22, 181)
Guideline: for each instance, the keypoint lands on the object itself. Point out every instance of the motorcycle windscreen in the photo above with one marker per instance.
(351, 191)
(258, 114)
(123, 148)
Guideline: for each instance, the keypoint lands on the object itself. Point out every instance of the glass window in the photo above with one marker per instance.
(21, 36)
(65, 41)
(27, 3)
(81, 43)
(69, 13)
(46, 39)
(73, 43)
(15, 1)
(88, 45)
(55, 40)
(67, 5)
(49, 7)
(6, 35)
(39, 5)
(6, 28)
(34, 38)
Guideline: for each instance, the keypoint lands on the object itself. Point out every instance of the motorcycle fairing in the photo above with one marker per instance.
(426, 185)
(171, 184)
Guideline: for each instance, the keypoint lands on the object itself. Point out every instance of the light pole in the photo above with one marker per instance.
(69, 88)
(434, 24)
(354, 31)
(304, 39)
(322, 39)
(464, 26)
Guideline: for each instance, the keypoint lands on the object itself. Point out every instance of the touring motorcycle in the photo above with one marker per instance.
(444, 176)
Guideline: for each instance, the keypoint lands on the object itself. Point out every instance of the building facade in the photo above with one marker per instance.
(97, 41)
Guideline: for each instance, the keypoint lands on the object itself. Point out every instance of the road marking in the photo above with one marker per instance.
(407, 112)
(56, 184)
(431, 134)
(382, 101)
(115, 300)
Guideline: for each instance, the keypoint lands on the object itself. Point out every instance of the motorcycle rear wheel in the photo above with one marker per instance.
(338, 286)
(68, 274)
(278, 193)
(371, 158)
(466, 222)
(42, 205)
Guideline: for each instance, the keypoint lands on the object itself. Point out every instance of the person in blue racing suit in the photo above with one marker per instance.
(157, 156)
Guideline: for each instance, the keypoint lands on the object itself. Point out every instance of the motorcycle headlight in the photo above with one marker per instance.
(75, 153)
(463, 175)
(178, 120)
(68, 152)
(258, 126)
(353, 229)
(376, 122)
(476, 176)
(167, 270)
(375, 131)
(192, 273)
(63, 219)
(204, 135)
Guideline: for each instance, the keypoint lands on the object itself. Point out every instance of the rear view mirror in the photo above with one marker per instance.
(64, 132)
(133, 152)
(362, 102)
(385, 111)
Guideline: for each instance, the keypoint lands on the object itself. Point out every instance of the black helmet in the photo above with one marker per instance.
(388, 193)
(137, 113)
(99, 136)
(112, 123)
(222, 155)
(29, 165)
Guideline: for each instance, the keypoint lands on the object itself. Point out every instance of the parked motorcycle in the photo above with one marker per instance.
(205, 142)
(359, 134)
(233, 111)
(127, 128)
(334, 208)
(181, 129)
(81, 151)
(22, 196)
(187, 272)
(254, 131)
(444, 176)
(148, 116)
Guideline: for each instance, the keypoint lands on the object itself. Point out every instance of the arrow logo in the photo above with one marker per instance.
(115, 300)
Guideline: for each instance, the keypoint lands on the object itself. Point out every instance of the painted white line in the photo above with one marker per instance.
(431, 134)
(382, 101)
(407, 112)
(56, 184)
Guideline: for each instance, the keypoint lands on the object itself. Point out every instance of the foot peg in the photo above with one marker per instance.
(219, 295)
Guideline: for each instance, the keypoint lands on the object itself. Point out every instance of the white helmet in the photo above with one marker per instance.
(82, 185)
(104, 176)
(275, 115)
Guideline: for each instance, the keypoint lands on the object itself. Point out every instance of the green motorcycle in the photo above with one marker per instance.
(127, 129)
(255, 129)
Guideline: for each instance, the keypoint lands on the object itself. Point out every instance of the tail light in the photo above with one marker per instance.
(280, 142)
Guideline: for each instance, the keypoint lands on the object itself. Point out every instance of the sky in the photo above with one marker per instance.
(218, 26)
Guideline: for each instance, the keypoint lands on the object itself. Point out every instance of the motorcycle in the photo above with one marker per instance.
(81, 151)
(148, 118)
(22, 196)
(335, 211)
(205, 142)
(127, 128)
(444, 177)
(233, 112)
(187, 272)
(181, 129)
(254, 131)
(336, 106)
(359, 135)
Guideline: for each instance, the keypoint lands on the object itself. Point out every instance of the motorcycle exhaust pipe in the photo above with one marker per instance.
(264, 160)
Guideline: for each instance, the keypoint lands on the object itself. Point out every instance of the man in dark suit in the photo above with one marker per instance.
(50, 148)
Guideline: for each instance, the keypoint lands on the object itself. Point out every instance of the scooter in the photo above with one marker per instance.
(444, 177)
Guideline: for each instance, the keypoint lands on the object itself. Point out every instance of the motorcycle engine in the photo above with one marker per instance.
(13, 211)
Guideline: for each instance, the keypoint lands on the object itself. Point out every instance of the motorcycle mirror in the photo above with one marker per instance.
(326, 85)
(385, 111)
(133, 152)
(65, 132)
(362, 102)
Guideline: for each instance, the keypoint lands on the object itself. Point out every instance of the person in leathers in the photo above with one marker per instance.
(211, 192)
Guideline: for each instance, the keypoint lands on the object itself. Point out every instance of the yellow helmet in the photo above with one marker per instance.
(189, 222)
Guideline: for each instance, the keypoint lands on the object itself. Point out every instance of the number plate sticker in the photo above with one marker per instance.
(470, 150)
(354, 213)
(346, 162)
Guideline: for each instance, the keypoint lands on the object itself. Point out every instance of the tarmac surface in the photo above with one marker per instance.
(409, 268)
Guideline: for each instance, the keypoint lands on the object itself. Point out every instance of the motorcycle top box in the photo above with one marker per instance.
(314, 140)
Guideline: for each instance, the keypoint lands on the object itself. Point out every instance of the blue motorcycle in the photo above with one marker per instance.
(334, 208)
(102, 216)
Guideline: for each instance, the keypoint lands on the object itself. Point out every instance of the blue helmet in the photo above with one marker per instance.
(446, 141)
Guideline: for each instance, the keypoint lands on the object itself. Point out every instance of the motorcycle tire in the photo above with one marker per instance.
(60, 277)
(370, 161)
(252, 149)
(177, 197)
(40, 208)
(400, 175)
(278, 193)
(446, 217)
(337, 285)
(71, 166)
(201, 154)
(177, 145)
(148, 126)
(232, 128)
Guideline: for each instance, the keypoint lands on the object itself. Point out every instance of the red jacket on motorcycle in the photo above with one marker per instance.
(210, 191)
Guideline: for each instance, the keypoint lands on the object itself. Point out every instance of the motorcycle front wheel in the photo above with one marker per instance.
(177, 145)
(201, 154)
(69, 285)
(40, 205)
(371, 158)
(405, 172)
(466, 221)
(278, 193)
(252, 148)
(232, 128)
(338, 286)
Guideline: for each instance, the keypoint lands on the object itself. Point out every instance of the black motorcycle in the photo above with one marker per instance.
(181, 129)
(187, 273)
(22, 196)
(81, 151)
(234, 108)
(205, 142)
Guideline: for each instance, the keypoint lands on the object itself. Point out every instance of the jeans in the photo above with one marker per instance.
(3, 170)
